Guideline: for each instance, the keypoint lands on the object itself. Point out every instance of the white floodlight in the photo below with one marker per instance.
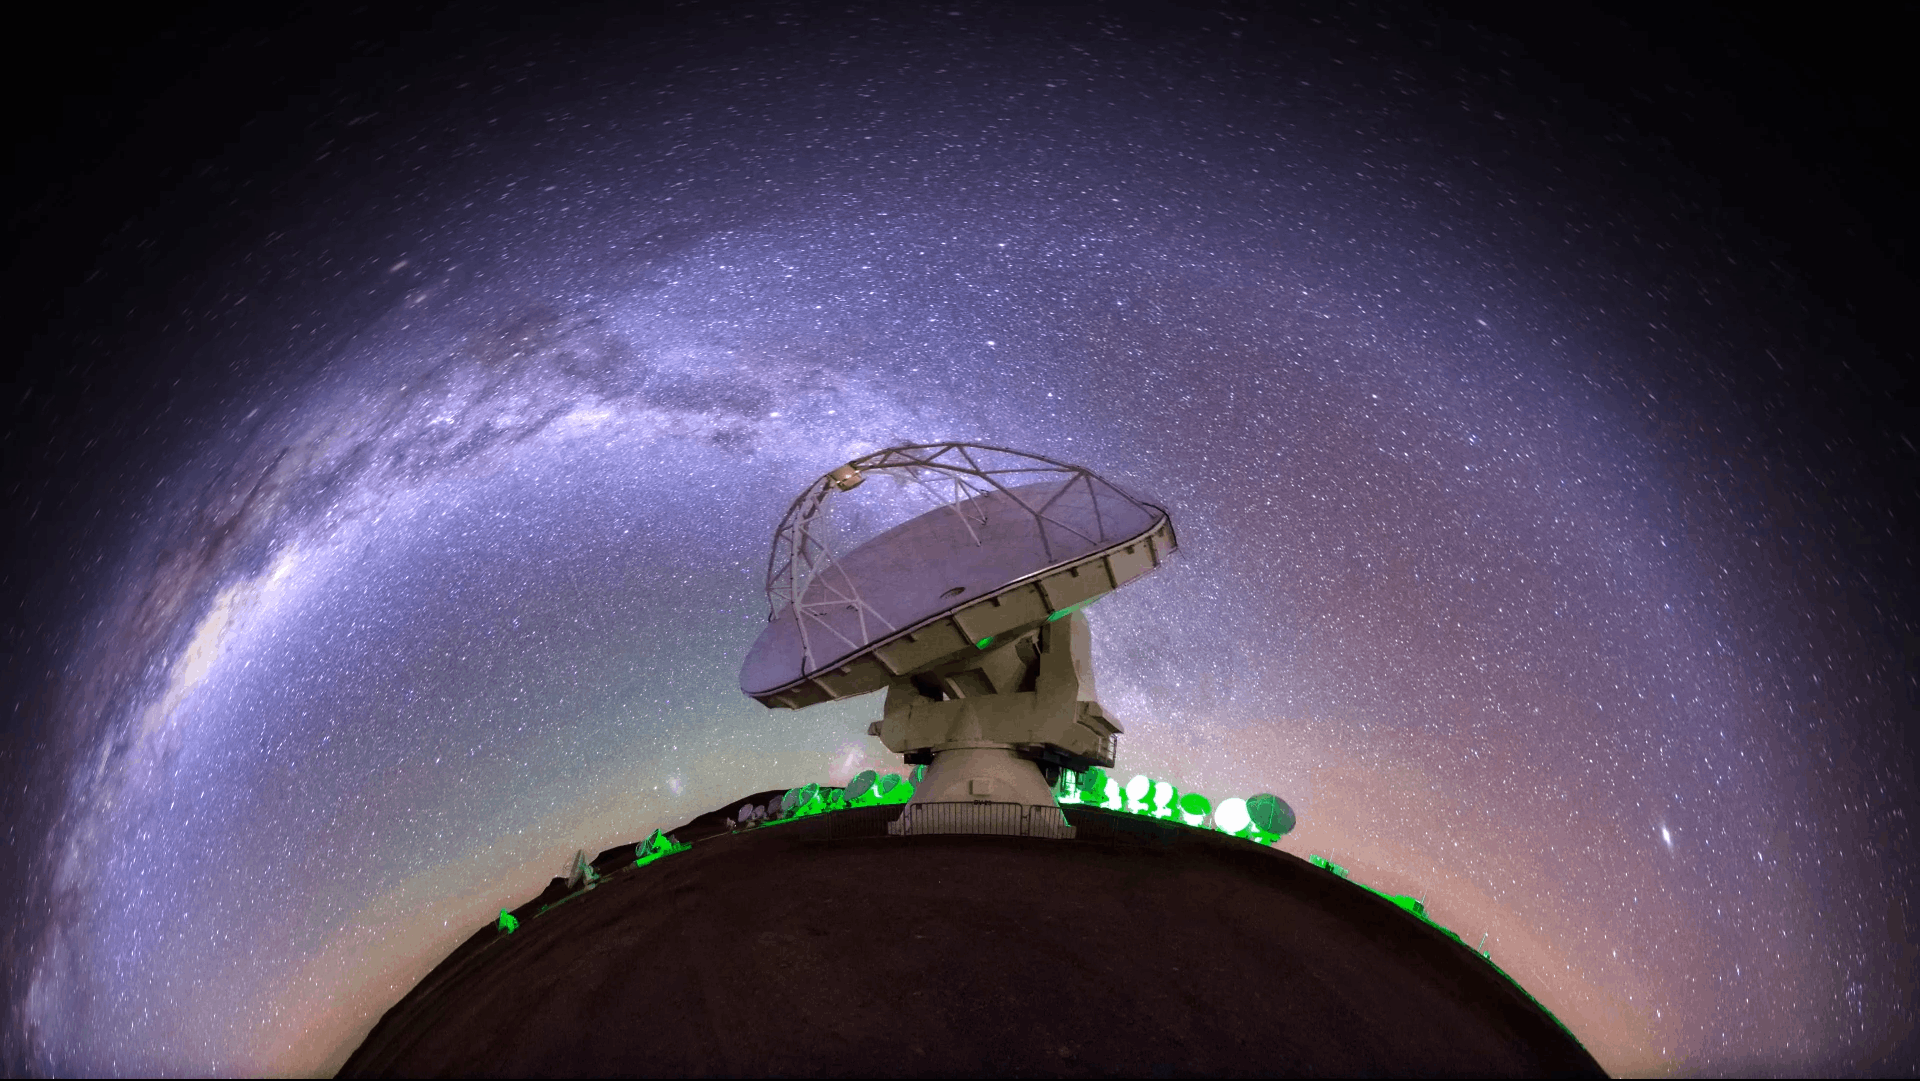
(1231, 815)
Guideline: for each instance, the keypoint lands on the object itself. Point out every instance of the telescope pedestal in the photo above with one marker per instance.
(985, 726)
(990, 772)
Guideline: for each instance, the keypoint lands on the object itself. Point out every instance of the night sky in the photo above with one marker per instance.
(407, 409)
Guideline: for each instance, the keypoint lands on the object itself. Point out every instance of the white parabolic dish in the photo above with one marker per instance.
(951, 581)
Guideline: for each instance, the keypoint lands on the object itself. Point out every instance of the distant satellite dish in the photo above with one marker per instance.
(957, 588)
(798, 797)
(1270, 814)
(861, 784)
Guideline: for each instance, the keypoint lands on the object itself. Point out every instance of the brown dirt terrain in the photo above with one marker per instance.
(823, 947)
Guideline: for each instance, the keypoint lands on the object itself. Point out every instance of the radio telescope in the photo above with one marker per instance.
(967, 613)
(953, 576)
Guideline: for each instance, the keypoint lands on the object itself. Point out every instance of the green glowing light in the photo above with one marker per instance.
(1072, 608)
(1323, 862)
(1272, 818)
(1095, 781)
(509, 923)
(982, 643)
(1137, 790)
(894, 789)
(1164, 800)
(1194, 808)
(1066, 787)
(808, 799)
(804, 801)
(860, 791)
(1088, 786)
(656, 847)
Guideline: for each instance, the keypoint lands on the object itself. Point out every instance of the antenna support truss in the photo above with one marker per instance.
(801, 570)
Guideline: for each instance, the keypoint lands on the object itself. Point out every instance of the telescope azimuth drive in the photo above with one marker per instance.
(967, 613)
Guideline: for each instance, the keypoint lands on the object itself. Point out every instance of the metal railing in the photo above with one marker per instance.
(981, 817)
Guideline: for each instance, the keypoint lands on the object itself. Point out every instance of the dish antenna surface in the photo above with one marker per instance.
(954, 580)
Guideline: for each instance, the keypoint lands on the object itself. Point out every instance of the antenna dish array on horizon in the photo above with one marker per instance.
(1009, 542)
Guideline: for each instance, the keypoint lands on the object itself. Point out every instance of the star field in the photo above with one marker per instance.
(1488, 564)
